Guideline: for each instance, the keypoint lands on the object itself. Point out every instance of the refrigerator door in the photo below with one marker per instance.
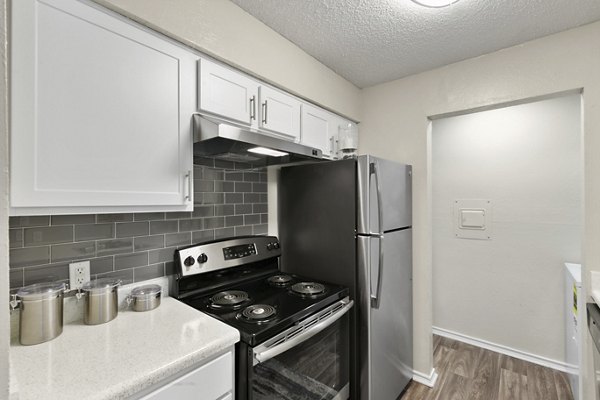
(386, 331)
(384, 195)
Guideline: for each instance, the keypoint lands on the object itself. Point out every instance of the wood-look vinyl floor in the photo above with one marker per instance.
(471, 373)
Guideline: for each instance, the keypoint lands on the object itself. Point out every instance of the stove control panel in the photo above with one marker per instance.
(226, 253)
(240, 251)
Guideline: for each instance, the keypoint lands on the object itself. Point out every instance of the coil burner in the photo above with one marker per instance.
(280, 280)
(258, 313)
(307, 289)
(229, 299)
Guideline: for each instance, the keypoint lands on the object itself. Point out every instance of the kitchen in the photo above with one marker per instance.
(558, 63)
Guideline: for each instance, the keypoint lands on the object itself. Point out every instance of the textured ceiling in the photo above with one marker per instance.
(374, 41)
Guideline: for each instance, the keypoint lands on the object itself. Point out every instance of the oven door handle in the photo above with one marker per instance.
(264, 352)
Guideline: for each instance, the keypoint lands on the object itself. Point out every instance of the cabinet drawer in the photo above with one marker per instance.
(211, 381)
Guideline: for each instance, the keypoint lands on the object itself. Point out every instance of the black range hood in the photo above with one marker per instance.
(225, 141)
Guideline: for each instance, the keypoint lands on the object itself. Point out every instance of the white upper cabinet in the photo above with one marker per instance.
(319, 130)
(228, 93)
(100, 113)
(280, 113)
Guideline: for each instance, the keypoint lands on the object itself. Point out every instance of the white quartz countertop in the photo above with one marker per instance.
(120, 358)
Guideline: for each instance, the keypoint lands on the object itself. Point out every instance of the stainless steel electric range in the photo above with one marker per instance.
(294, 330)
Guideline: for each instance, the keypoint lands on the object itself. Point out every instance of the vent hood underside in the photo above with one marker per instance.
(224, 141)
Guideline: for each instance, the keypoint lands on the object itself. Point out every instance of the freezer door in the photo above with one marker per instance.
(384, 195)
(386, 331)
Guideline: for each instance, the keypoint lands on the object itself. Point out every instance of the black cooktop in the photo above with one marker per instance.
(271, 304)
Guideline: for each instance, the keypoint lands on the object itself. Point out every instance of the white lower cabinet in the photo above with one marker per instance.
(211, 381)
(100, 113)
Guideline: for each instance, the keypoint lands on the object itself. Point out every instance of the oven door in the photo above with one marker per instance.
(307, 361)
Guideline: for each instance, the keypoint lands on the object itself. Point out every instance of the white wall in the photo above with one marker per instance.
(4, 293)
(225, 31)
(395, 125)
(527, 160)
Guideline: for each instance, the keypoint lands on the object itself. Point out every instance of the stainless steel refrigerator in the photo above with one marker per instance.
(350, 222)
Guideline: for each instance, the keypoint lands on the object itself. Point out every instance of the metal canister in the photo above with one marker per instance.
(101, 300)
(145, 298)
(41, 312)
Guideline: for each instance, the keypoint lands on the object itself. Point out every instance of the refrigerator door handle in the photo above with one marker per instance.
(376, 299)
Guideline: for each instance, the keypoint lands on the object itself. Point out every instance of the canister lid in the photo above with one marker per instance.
(101, 285)
(146, 292)
(40, 291)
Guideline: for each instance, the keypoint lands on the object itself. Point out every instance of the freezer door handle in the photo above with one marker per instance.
(374, 170)
(376, 298)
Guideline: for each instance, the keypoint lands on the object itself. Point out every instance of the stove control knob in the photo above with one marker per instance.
(270, 246)
(202, 258)
(188, 262)
(275, 245)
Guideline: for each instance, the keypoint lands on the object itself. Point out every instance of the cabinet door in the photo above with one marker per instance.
(100, 112)
(279, 113)
(319, 130)
(227, 93)
(211, 381)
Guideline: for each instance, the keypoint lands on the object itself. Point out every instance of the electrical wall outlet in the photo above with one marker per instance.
(79, 273)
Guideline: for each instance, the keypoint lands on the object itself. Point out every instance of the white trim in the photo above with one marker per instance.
(427, 380)
(509, 351)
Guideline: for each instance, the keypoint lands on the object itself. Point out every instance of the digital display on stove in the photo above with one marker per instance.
(243, 250)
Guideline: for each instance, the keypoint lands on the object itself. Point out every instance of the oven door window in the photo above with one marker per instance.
(315, 369)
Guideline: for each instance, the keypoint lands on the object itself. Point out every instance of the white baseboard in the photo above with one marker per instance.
(498, 348)
(427, 380)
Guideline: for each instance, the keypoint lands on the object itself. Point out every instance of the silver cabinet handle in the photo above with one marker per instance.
(299, 334)
(331, 146)
(188, 186)
(264, 112)
(375, 299)
(253, 108)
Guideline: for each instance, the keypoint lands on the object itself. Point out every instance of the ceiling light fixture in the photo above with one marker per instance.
(434, 3)
(267, 152)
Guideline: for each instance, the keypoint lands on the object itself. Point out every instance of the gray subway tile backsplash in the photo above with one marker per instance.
(203, 236)
(148, 242)
(187, 225)
(149, 272)
(94, 231)
(124, 261)
(39, 236)
(115, 246)
(74, 251)
(235, 220)
(215, 222)
(28, 256)
(101, 265)
(229, 201)
(161, 255)
(252, 219)
(73, 219)
(114, 217)
(15, 237)
(129, 229)
(243, 187)
(20, 222)
(224, 209)
(46, 273)
(148, 216)
(170, 226)
(178, 239)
